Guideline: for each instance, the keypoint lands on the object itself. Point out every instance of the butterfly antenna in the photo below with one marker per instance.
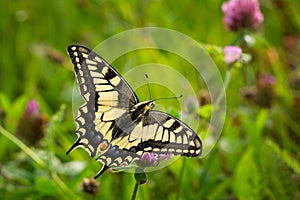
(147, 79)
(176, 97)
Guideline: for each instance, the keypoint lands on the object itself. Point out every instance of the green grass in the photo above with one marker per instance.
(257, 155)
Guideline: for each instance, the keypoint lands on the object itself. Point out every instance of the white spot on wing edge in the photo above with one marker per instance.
(115, 81)
(197, 143)
(169, 123)
(98, 59)
(87, 96)
(84, 55)
(119, 160)
(84, 109)
(81, 120)
(104, 70)
(148, 149)
(177, 130)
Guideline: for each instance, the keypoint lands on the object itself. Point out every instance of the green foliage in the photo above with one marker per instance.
(257, 155)
(247, 181)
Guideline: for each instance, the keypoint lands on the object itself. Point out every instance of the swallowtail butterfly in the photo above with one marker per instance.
(114, 125)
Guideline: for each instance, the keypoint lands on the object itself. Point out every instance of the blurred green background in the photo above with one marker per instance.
(257, 155)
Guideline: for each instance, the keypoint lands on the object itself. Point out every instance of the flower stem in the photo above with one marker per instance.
(226, 83)
(239, 38)
(65, 190)
(180, 178)
(22, 146)
(135, 191)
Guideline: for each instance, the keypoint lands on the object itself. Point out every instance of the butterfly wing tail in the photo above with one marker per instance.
(103, 169)
(74, 146)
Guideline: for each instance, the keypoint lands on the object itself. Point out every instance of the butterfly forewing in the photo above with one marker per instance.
(113, 125)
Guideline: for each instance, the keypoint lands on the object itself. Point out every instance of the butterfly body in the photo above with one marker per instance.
(114, 126)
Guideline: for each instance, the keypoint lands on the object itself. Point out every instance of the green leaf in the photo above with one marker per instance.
(259, 125)
(205, 111)
(285, 156)
(45, 186)
(246, 184)
(13, 171)
(4, 102)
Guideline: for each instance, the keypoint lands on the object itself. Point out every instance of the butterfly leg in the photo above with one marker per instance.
(104, 168)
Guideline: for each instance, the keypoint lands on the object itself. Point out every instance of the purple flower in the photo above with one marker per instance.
(31, 125)
(32, 108)
(147, 159)
(191, 104)
(232, 54)
(241, 14)
(165, 156)
(152, 159)
(265, 90)
(266, 80)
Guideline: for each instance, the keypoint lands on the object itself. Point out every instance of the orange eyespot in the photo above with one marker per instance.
(103, 146)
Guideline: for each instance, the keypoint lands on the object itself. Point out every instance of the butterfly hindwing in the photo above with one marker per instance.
(161, 133)
(178, 138)
(85, 130)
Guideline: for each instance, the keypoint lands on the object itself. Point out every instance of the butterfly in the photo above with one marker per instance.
(114, 125)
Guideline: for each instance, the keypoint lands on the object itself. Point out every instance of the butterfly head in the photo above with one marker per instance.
(150, 105)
